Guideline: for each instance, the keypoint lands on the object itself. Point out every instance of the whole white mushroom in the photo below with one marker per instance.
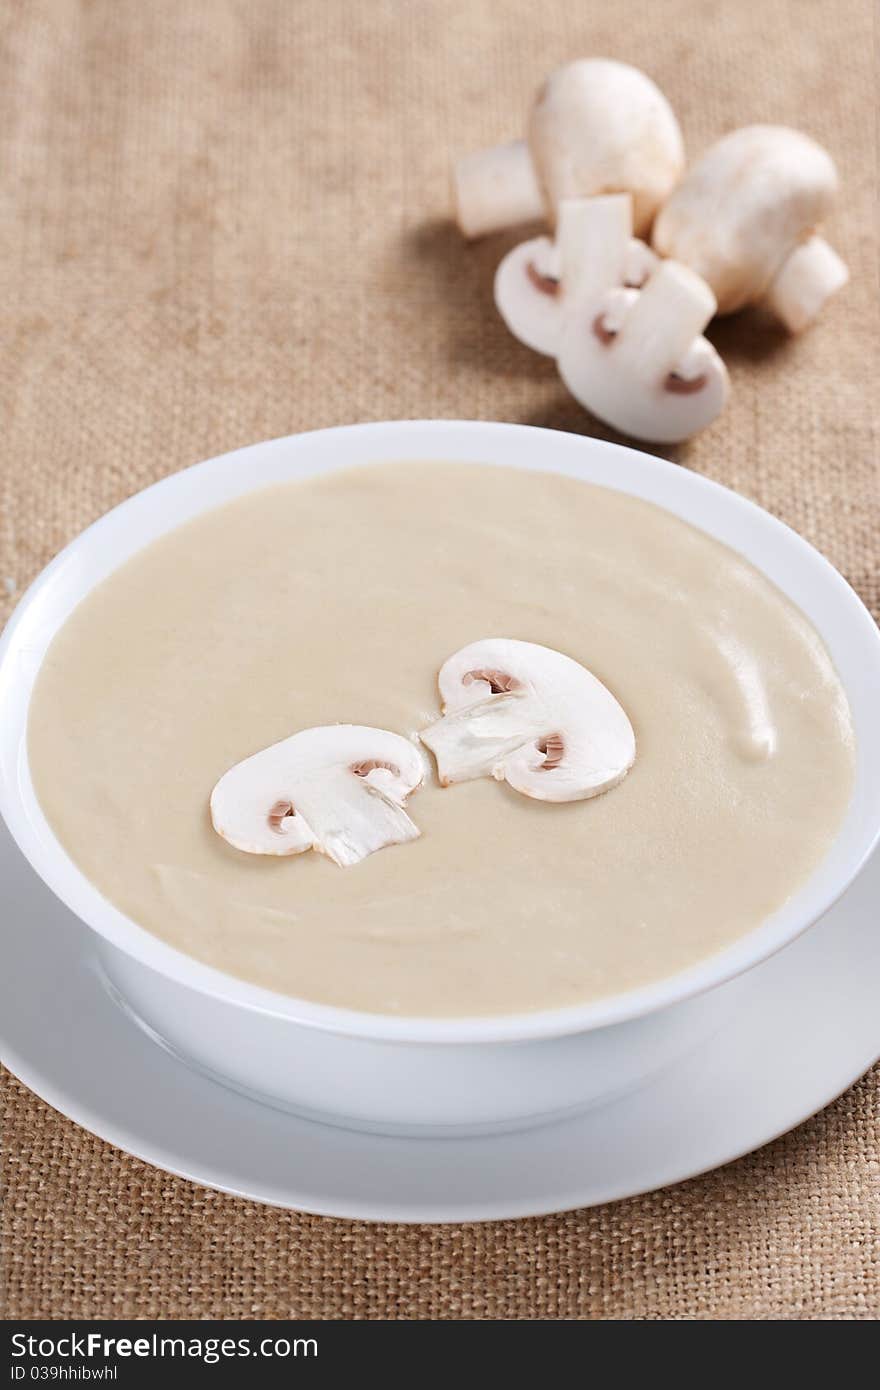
(745, 219)
(597, 126)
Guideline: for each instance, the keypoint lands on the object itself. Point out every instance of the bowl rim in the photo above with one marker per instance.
(788, 560)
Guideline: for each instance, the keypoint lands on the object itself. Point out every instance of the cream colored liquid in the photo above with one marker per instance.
(337, 600)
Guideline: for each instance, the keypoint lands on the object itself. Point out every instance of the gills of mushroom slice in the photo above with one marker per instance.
(339, 790)
(532, 717)
(530, 291)
(745, 219)
(634, 358)
(597, 126)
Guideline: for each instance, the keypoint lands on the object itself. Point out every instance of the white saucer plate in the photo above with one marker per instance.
(793, 1034)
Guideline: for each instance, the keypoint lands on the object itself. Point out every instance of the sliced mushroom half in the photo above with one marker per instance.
(529, 289)
(634, 357)
(532, 717)
(338, 789)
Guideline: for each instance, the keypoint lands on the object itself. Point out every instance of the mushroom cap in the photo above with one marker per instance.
(599, 126)
(531, 716)
(744, 206)
(338, 789)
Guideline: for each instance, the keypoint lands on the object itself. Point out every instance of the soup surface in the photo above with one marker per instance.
(336, 600)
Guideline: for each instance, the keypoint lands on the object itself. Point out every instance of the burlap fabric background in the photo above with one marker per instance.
(227, 220)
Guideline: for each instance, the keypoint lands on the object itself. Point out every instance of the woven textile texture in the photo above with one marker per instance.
(226, 220)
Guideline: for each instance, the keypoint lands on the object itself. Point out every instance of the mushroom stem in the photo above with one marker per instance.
(496, 188)
(809, 276)
(593, 236)
(669, 313)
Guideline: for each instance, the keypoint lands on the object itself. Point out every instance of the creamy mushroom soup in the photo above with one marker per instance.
(337, 600)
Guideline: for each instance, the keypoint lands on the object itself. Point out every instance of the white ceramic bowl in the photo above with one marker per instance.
(412, 1074)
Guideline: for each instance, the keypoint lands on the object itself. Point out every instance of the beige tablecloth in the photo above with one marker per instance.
(225, 221)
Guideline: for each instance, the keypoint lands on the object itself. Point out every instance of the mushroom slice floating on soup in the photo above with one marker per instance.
(339, 789)
(530, 716)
